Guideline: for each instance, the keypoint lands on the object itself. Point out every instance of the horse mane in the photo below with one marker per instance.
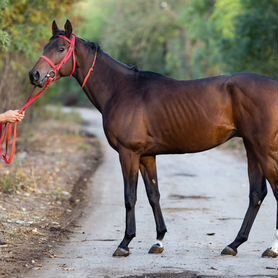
(147, 74)
(95, 46)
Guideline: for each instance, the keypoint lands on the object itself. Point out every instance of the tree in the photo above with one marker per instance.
(148, 34)
(24, 25)
(249, 35)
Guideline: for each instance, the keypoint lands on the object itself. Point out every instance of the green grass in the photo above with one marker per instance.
(16, 181)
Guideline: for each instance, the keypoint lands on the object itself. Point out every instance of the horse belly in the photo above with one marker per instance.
(193, 141)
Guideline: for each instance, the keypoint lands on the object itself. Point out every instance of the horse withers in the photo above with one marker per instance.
(146, 114)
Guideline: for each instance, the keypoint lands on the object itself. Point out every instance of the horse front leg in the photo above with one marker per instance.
(130, 167)
(148, 171)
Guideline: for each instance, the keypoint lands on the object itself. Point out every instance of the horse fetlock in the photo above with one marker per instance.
(243, 238)
(129, 236)
(161, 234)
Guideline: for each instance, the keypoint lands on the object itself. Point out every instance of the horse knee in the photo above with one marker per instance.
(130, 202)
(154, 199)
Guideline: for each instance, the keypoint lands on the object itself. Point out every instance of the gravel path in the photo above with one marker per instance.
(204, 198)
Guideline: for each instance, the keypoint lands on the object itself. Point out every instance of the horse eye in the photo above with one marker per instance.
(61, 49)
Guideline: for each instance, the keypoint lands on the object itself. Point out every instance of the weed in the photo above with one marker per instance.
(17, 181)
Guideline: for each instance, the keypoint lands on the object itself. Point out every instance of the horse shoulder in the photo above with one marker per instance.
(124, 124)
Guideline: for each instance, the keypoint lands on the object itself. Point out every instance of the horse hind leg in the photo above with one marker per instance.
(148, 171)
(272, 252)
(258, 191)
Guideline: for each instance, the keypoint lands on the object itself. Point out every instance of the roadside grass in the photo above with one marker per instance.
(17, 181)
(84, 147)
(43, 192)
(59, 194)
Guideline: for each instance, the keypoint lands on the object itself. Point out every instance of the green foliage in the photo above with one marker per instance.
(184, 39)
(28, 22)
(24, 27)
(95, 15)
(4, 40)
(201, 52)
(192, 38)
(149, 34)
(249, 35)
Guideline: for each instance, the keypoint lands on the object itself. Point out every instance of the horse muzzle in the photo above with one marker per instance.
(37, 80)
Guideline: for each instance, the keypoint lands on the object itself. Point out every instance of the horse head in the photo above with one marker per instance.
(58, 59)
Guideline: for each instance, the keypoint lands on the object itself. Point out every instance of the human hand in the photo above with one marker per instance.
(12, 116)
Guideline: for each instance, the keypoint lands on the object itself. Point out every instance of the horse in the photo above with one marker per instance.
(147, 114)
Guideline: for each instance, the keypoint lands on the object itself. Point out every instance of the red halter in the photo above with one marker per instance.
(71, 52)
(7, 129)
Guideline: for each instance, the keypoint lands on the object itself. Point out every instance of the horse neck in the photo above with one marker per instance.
(107, 79)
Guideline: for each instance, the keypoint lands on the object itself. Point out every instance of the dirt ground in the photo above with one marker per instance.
(42, 193)
(204, 197)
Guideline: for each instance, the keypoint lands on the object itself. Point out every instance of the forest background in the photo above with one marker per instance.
(184, 39)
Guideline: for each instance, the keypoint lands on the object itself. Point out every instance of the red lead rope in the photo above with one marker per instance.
(6, 130)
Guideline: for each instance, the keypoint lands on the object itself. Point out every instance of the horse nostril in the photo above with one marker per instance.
(36, 76)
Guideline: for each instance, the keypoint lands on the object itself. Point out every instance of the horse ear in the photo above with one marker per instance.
(68, 28)
(55, 28)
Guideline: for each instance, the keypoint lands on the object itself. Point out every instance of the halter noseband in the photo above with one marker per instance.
(71, 52)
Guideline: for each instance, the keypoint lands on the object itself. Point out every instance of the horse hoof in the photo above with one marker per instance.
(228, 251)
(269, 253)
(120, 252)
(156, 249)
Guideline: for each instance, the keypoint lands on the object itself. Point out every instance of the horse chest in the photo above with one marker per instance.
(125, 130)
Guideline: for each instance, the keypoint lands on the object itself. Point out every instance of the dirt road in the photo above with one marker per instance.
(203, 196)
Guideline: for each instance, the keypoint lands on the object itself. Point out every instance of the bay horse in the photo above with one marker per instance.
(146, 114)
